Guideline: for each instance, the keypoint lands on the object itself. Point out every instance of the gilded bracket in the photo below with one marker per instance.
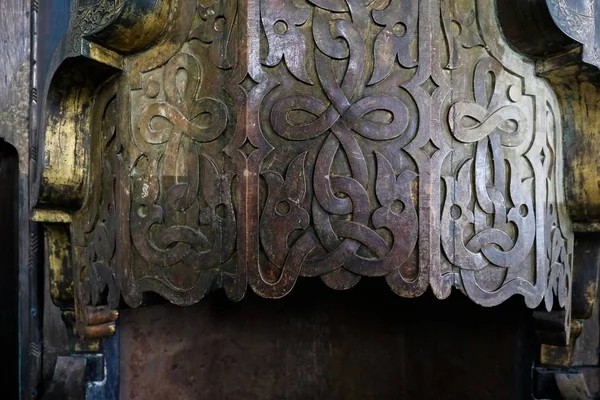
(101, 36)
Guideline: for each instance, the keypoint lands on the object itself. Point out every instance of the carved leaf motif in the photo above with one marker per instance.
(90, 18)
(399, 20)
(461, 29)
(217, 28)
(281, 20)
(283, 212)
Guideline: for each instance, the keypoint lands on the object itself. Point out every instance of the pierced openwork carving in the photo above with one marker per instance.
(337, 139)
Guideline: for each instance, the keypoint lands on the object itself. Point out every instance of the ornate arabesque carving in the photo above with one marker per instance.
(95, 244)
(328, 138)
(577, 20)
(90, 16)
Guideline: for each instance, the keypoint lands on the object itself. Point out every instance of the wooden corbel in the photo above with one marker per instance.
(564, 37)
(103, 38)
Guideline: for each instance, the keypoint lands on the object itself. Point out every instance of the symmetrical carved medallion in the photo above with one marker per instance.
(260, 142)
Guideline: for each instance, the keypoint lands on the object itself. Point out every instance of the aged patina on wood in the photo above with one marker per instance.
(569, 60)
(190, 146)
(19, 268)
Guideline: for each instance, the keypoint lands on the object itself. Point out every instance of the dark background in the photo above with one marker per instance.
(9, 323)
(316, 343)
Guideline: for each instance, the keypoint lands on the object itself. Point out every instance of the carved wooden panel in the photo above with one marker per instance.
(577, 19)
(256, 143)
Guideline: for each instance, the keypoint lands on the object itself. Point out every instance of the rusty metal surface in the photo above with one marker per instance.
(323, 344)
